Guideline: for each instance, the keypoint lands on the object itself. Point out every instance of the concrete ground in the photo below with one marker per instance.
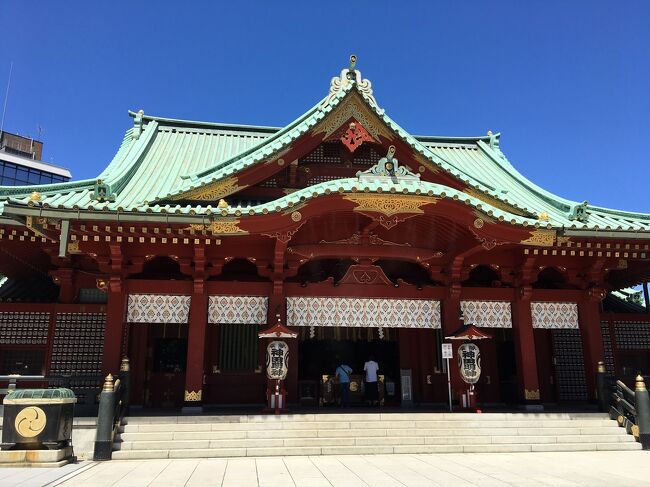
(480, 469)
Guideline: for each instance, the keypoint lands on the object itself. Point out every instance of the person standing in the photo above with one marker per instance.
(372, 392)
(343, 372)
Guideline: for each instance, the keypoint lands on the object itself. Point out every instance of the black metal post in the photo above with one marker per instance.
(104, 435)
(601, 388)
(642, 405)
(125, 376)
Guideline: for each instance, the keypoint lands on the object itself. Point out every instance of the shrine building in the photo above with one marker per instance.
(364, 239)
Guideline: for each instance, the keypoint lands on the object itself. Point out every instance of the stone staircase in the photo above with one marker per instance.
(375, 433)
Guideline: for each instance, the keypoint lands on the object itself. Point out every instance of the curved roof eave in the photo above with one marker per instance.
(71, 186)
(562, 204)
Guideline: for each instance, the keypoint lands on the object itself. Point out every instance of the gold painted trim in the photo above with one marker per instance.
(353, 107)
(490, 200)
(211, 191)
(541, 238)
(532, 395)
(220, 227)
(389, 205)
(193, 396)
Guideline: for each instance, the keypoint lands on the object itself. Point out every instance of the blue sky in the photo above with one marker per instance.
(566, 82)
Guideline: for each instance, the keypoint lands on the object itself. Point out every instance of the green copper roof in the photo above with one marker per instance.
(160, 158)
(40, 396)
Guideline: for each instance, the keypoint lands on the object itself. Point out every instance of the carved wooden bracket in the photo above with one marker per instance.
(365, 274)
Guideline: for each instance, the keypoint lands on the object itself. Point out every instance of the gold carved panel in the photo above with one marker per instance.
(228, 226)
(532, 395)
(353, 107)
(389, 204)
(211, 191)
(193, 396)
(501, 205)
(541, 238)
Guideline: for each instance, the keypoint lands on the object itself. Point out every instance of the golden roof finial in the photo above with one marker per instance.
(489, 132)
(543, 217)
(35, 196)
(108, 384)
(222, 204)
(640, 383)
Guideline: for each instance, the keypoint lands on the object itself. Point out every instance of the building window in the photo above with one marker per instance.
(238, 347)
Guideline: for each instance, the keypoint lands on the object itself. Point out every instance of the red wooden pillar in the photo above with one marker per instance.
(450, 323)
(114, 330)
(592, 338)
(525, 343)
(198, 319)
(64, 278)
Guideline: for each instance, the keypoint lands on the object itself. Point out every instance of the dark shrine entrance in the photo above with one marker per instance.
(319, 356)
(160, 357)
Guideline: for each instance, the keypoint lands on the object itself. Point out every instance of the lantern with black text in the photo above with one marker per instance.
(277, 365)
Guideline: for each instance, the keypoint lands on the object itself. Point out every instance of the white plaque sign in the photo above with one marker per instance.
(447, 351)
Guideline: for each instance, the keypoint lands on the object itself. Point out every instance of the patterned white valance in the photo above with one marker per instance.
(487, 314)
(554, 315)
(157, 308)
(250, 310)
(359, 312)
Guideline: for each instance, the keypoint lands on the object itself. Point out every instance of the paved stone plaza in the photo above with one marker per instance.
(481, 469)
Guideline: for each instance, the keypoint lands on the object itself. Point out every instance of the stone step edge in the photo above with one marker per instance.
(451, 424)
(354, 450)
(367, 442)
(358, 417)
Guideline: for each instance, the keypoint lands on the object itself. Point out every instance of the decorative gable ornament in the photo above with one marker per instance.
(388, 167)
(352, 135)
(351, 75)
(579, 212)
(102, 192)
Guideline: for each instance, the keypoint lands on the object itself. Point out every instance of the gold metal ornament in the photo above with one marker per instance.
(296, 216)
(220, 227)
(635, 431)
(478, 223)
(211, 191)
(30, 421)
(108, 384)
(496, 203)
(353, 107)
(541, 238)
(193, 396)
(389, 205)
(640, 383)
(532, 395)
(35, 196)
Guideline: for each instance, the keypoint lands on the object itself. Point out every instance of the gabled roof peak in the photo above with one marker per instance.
(351, 77)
